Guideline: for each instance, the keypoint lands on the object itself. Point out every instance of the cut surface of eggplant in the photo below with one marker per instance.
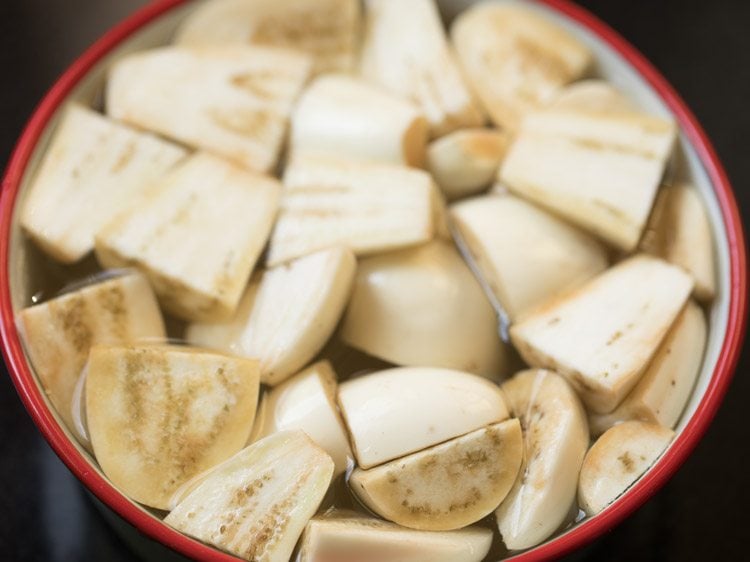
(663, 391)
(448, 486)
(342, 538)
(526, 255)
(617, 460)
(598, 169)
(159, 416)
(93, 168)
(327, 30)
(371, 208)
(59, 333)
(197, 235)
(256, 504)
(231, 100)
(603, 335)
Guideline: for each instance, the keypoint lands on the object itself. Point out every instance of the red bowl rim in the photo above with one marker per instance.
(585, 532)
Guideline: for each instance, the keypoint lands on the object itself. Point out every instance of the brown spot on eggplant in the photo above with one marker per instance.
(125, 157)
(71, 315)
(614, 337)
(627, 462)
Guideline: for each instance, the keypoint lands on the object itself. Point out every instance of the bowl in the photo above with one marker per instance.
(617, 61)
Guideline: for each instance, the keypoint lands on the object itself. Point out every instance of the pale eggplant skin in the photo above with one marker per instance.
(664, 389)
(343, 537)
(617, 460)
(466, 161)
(59, 333)
(553, 259)
(231, 100)
(349, 117)
(93, 169)
(515, 59)
(256, 504)
(556, 437)
(423, 307)
(286, 315)
(160, 415)
(307, 401)
(395, 412)
(448, 486)
(197, 278)
(604, 355)
(326, 30)
(679, 231)
(405, 50)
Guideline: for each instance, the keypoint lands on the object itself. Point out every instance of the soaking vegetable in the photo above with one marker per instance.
(160, 415)
(617, 459)
(384, 283)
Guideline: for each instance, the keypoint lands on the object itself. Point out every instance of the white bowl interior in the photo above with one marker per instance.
(25, 270)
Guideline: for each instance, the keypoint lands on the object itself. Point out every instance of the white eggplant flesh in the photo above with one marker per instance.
(286, 315)
(327, 30)
(598, 169)
(448, 486)
(555, 441)
(59, 333)
(159, 416)
(234, 101)
(371, 208)
(515, 59)
(399, 411)
(341, 538)
(307, 401)
(349, 117)
(526, 255)
(664, 389)
(93, 168)
(466, 161)
(256, 504)
(617, 459)
(423, 307)
(603, 335)
(197, 235)
(405, 50)
(679, 232)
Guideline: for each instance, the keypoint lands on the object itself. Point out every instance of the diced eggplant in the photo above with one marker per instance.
(197, 236)
(395, 412)
(603, 335)
(159, 416)
(234, 101)
(93, 169)
(59, 333)
(286, 315)
(423, 307)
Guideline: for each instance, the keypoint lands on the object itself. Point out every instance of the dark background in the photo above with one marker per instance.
(702, 47)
